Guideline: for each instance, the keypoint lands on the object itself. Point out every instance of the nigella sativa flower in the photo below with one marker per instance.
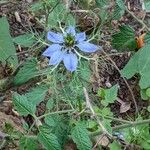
(65, 47)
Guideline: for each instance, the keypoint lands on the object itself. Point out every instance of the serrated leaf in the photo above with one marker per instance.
(27, 72)
(102, 3)
(37, 6)
(50, 104)
(124, 39)
(25, 40)
(22, 105)
(118, 12)
(80, 136)
(121, 4)
(7, 48)
(27, 143)
(48, 139)
(139, 63)
(57, 15)
(37, 94)
(146, 5)
(110, 95)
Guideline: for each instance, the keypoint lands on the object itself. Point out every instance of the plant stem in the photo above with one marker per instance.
(57, 112)
(104, 130)
(132, 124)
(128, 86)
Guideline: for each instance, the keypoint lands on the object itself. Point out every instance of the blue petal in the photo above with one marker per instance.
(70, 61)
(56, 58)
(55, 37)
(87, 47)
(51, 49)
(71, 30)
(80, 37)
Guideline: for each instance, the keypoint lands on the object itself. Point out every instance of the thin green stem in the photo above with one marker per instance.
(133, 124)
(57, 112)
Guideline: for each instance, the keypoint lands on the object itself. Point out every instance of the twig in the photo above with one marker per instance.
(94, 114)
(137, 19)
(128, 86)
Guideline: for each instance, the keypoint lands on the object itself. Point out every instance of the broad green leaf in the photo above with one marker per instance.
(144, 66)
(143, 94)
(115, 146)
(37, 6)
(124, 39)
(27, 72)
(84, 71)
(48, 139)
(131, 67)
(148, 92)
(25, 40)
(50, 121)
(50, 104)
(148, 108)
(146, 5)
(22, 105)
(106, 111)
(102, 3)
(37, 95)
(118, 12)
(70, 20)
(27, 143)
(121, 4)
(110, 95)
(80, 136)
(57, 15)
(7, 48)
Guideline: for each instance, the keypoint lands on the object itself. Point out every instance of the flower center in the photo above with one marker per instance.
(69, 40)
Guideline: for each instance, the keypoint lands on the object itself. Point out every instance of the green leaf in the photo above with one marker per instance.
(22, 105)
(110, 95)
(84, 71)
(148, 108)
(57, 15)
(148, 92)
(143, 94)
(37, 94)
(7, 48)
(37, 6)
(50, 104)
(107, 125)
(27, 72)
(25, 40)
(102, 3)
(80, 136)
(115, 146)
(146, 5)
(48, 139)
(124, 39)
(132, 67)
(118, 12)
(27, 143)
(144, 66)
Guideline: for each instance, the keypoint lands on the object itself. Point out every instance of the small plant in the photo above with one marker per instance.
(62, 81)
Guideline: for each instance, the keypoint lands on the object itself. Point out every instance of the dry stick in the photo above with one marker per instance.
(94, 114)
(128, 86)
(137, 19)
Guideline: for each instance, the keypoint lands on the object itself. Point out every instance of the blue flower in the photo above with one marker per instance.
(65, 46)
